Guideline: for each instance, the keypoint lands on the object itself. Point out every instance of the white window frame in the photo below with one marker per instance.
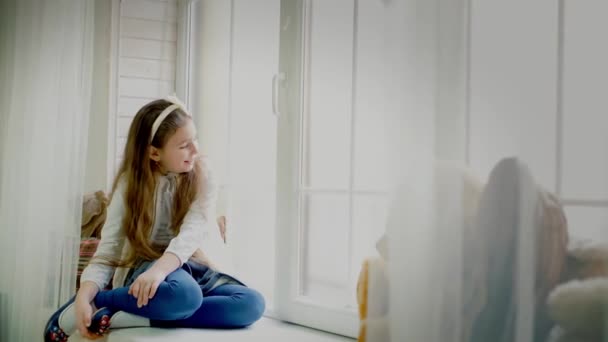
(292, 306)
(183, 61)
(288, 305)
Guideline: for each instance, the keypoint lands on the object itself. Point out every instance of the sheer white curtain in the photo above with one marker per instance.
(45, 92)
(443, 254)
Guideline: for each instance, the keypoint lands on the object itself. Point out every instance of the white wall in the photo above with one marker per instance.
(536, 90)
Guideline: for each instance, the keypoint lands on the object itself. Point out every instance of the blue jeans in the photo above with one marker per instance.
(179, 302)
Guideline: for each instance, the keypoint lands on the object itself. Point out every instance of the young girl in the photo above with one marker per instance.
(156, 222)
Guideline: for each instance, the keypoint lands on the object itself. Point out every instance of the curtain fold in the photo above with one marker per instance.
(455, 272)
(46, 56)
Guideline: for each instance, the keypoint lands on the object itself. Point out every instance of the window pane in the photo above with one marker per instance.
(327, 117)
(370, 138)
(587, 223)
(369, 224)
(324, 248)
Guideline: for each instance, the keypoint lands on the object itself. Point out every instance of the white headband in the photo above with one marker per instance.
(163, 115)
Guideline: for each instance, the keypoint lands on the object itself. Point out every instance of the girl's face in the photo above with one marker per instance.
(180, 151)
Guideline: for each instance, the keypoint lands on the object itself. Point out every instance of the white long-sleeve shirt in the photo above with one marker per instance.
(195, 230)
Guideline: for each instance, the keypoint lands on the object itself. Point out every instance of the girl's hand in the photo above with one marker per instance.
(84, 311)
(145, 286)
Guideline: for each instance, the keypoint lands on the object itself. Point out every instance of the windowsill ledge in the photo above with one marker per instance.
(267, 329)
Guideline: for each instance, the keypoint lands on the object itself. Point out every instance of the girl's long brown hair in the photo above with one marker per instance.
(138, 172)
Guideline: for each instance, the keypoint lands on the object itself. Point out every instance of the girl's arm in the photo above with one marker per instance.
(96, 276)
(87, 291)
(193, 232)
(166, 264)
(84, 308)
(196, 228)
(145, 286)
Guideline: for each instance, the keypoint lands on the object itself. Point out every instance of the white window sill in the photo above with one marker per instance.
(267, 329)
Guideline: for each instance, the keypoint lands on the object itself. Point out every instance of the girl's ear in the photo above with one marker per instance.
(154, 153)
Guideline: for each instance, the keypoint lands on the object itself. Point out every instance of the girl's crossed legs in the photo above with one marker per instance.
(179, 302)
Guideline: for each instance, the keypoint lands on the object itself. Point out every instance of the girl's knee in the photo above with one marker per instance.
(185, 296)
(254, 306)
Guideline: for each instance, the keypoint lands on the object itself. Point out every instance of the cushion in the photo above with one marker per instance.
(88, 246)
(93, 214)
(580, 307)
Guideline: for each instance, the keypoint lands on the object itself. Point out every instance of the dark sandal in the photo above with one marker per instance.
(52, 331)
(100, 321)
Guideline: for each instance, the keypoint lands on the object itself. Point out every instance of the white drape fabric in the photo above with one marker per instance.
(443, 254)
(45, 69)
